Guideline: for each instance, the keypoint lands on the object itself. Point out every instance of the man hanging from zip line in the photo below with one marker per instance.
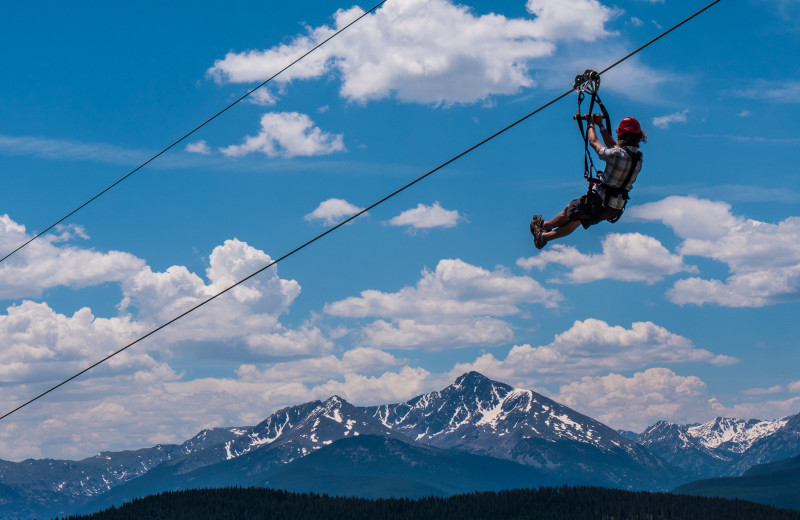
(606, 199)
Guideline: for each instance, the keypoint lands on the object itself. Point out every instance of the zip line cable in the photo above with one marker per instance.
(198, 127)
(340, 224)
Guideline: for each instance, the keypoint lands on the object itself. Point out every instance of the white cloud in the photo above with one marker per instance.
(248, 313)
(764, 391)
(438, 335)
(794, 387)
(46, 263)
(321, 368)
(664, 122)
(689, 217)
(630, 257)
(764, 259)
(455, 303)
(38, 344)
(390, 387)
(288, 134)
(455, 288)
(594, 347)
(569, 19)
(426, 217)
(755, 410)
(263, 97)
(425, 51)
(333, 211)
(200, 147)
(747, 290)
(752, 246)
(636, 402)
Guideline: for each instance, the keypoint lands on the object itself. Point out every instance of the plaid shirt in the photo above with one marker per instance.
(618, 163)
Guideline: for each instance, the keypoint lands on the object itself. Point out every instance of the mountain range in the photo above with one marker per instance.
(476, 434)
(723, 447)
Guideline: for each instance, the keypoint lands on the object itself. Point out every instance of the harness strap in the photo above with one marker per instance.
(589, 82)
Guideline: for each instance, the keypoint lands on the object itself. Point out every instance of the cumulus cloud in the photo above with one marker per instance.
(333, 211)
(200, 147)
(758, 289)
(636, 402)
(455, 300)
(248, 313)
(263, 97)
(288, 134)
(390, 387)
(426, 217)
(665, 122)
(630, 257)
(593, 347)
(763, 258)
(454, 288)
(425, 51)
(689, 217)
(454, 333)
(51, 262)
(39, 344)
(321, 368)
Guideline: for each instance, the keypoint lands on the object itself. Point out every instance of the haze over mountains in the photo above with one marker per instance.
(474, 434)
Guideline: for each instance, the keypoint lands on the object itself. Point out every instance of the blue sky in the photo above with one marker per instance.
(684, 310)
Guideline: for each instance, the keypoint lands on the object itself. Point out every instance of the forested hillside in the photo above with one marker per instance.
(585, 503)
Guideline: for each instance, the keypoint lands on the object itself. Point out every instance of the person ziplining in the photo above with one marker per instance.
(608, 190)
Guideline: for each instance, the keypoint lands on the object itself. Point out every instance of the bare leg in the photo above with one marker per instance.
(561, 231)
(558, 220)
(559, 226)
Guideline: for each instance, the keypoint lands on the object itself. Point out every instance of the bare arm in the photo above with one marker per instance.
(591, 135)
(595, 143)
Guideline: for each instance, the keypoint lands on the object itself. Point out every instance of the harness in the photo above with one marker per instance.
(615, 198)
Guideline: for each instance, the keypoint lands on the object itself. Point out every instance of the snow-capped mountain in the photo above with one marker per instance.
(286, 435)
(306, 428)
(474, 409)
(483, 416)
(723, 446)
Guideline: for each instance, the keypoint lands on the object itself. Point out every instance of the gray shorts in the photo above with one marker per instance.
(589, 210)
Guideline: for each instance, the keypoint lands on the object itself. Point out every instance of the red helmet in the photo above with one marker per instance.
(629, 125)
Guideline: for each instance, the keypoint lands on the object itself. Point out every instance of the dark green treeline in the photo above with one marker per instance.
(566, 503)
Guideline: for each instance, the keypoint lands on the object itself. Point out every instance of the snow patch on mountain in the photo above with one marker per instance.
(734, 435)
